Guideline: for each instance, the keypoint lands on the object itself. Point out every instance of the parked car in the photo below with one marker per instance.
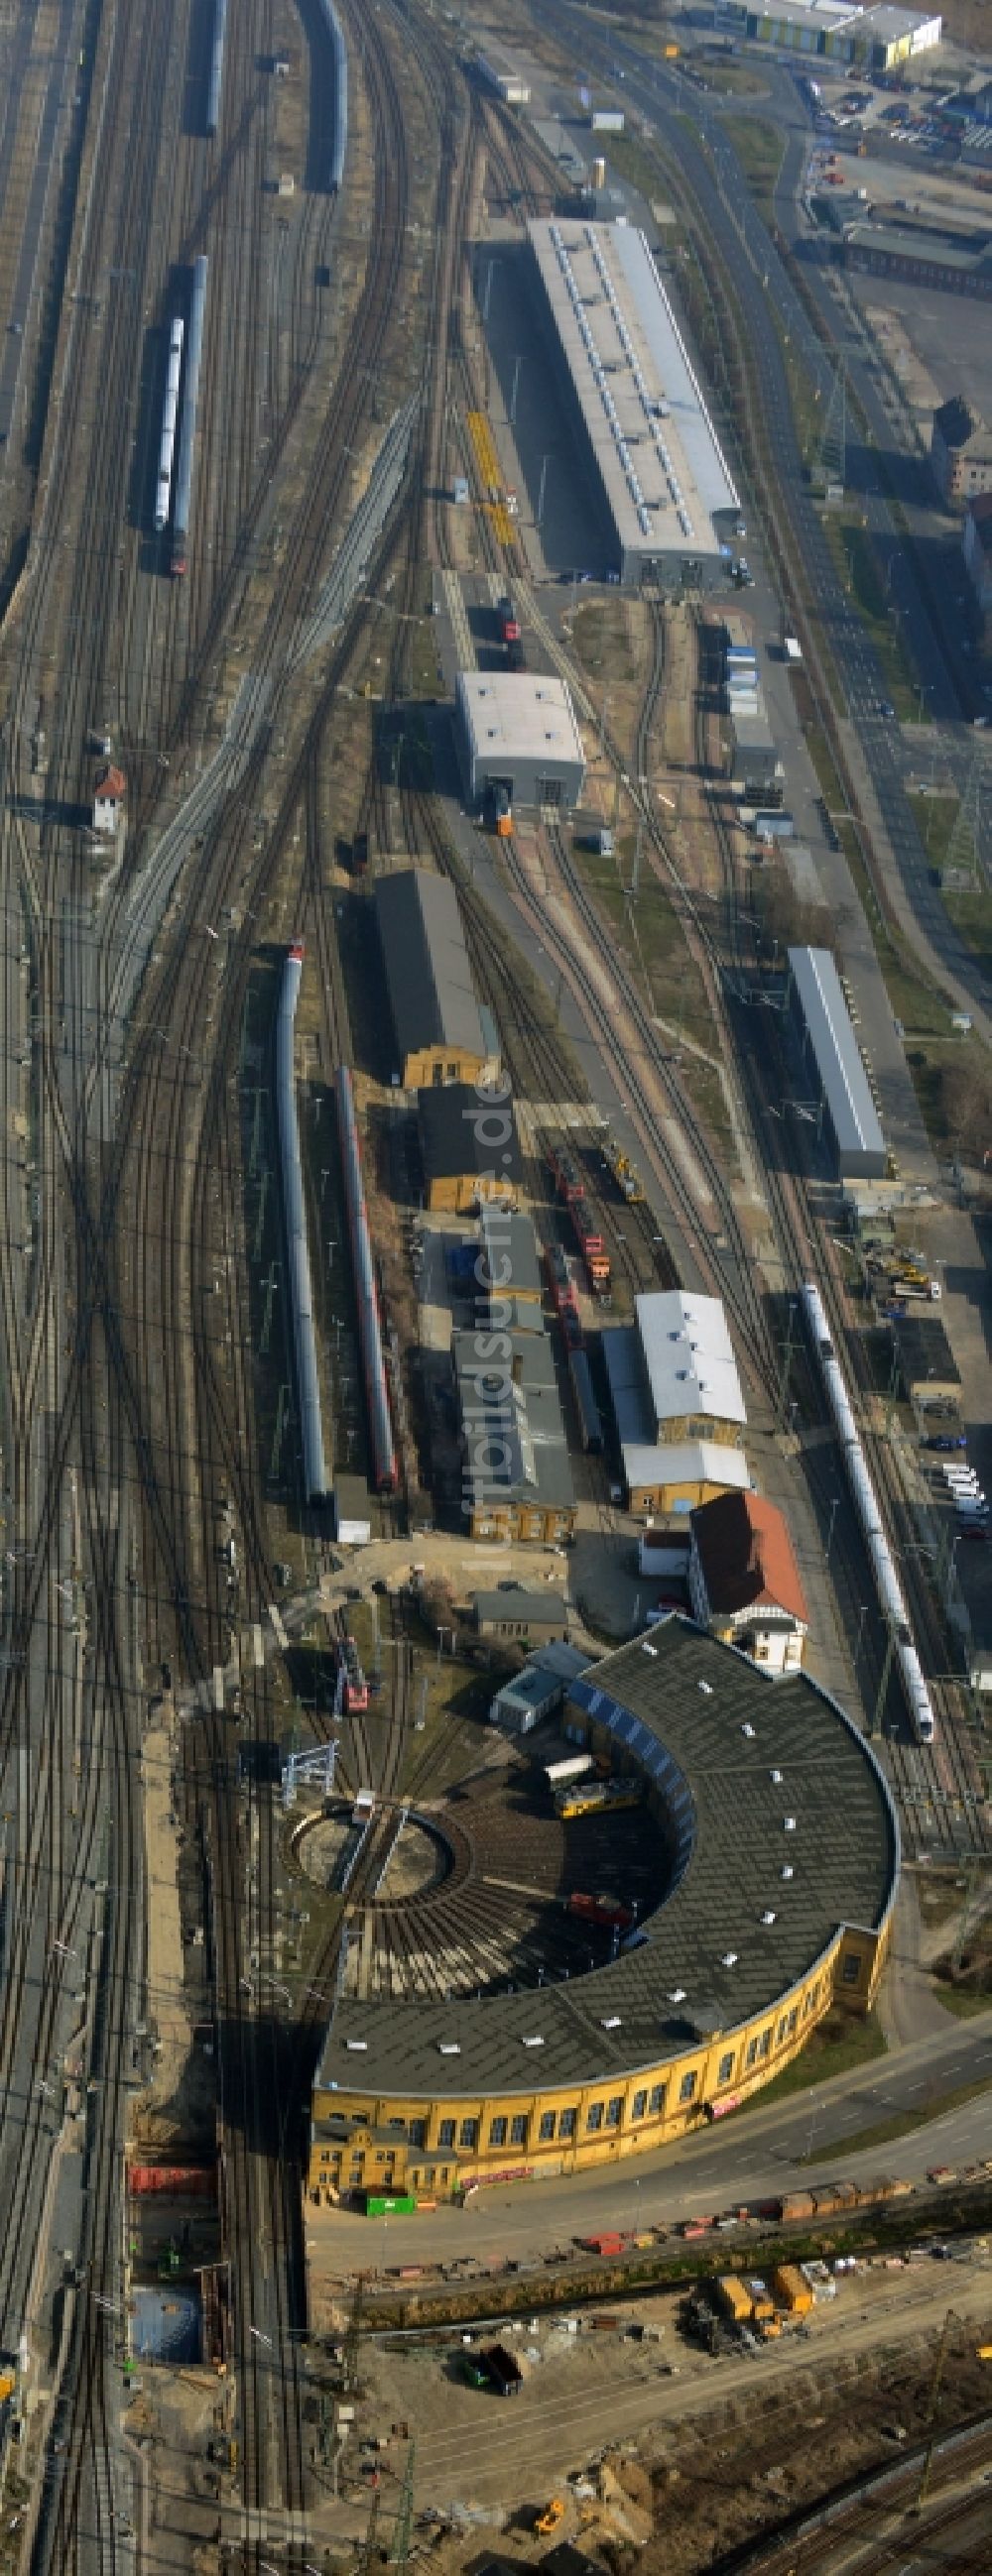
(948, 1440)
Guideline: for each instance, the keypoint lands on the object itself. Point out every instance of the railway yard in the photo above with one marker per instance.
(383, 1312)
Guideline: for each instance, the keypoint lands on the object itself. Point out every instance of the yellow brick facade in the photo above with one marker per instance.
(434, 2147)
(459, 1193)
(530, 1524)
(435, 1065)
(662, 1497)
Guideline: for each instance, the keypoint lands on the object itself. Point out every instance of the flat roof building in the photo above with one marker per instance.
(519, 1616)
(511, 1261)
(439, 1032)
(665, 481)
(518, 739)
(460, 1169)
(832, 1058)
(839, 31)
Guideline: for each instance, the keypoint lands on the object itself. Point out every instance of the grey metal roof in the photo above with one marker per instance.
(658, 455)
(688, 1356)
(509, 1245)
(428, 977)
(453, 1139)
(680, 1702)
(541, 1609)
(844, 1082)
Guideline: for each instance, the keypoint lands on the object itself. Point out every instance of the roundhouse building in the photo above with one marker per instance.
(782, 1853)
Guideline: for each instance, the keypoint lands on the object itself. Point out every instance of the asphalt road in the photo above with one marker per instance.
(746, 2158)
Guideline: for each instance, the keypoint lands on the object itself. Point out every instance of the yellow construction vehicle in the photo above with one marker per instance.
(554, 2514)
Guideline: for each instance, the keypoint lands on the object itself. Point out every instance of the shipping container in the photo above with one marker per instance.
(607, 120)
(507, 2370)
(734, 2298)
(791, 2289)
(389, 2204)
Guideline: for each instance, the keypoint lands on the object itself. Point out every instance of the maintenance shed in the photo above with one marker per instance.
(638, 403)
(438, 1028)
(832, 1059)
(783, 1850)
(518, 740)
(460, 1169)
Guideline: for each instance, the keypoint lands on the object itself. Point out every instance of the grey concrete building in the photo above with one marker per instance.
(832, 1058)
(518, 740)
(653, 447)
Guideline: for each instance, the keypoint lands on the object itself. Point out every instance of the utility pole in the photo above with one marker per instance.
(938, 2373)
(367, 2551)
(270, 1290)
(353, 2338)
(281, 1411)
(404, 2517)
(260, 1220)
(876, 1723)
(789, 1346)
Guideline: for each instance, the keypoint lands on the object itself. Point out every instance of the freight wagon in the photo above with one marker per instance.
(590, 1424)
(605, 1910)
(563, 1281)
(354, 1687)
(591, 1245)
(565, 1174)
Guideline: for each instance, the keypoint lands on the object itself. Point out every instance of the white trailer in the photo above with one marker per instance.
(576, 1767)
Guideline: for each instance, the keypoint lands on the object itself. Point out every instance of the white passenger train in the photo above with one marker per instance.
(163, 489)
(887, 1584)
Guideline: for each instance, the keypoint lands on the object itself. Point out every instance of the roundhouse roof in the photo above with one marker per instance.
(735, 1755)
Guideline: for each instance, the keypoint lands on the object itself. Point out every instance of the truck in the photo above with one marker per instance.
(509, 625)
(607, 120)
(792, 650)
(507, 2371)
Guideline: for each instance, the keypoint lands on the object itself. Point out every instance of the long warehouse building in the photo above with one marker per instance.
(834, 1062)
(654, 449)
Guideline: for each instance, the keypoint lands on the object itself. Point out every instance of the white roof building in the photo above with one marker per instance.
(665, 480)
(518, 736)
(688, 1359)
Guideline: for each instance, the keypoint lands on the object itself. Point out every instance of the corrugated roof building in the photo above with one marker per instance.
(437, 1025)
(833, 1063)
(658, 461)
